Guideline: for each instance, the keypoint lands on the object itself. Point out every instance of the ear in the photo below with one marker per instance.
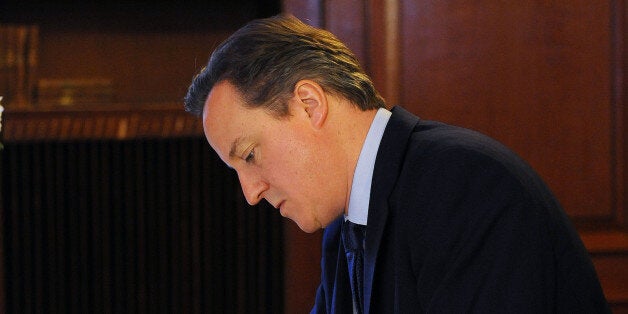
(311, 97)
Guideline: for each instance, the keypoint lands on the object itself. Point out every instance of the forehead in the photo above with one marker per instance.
(226, 121)
(222, 96)
(223, 107)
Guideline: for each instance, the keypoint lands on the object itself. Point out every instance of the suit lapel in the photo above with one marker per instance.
(387, 167)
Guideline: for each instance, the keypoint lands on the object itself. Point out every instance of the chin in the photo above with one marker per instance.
(308, 228)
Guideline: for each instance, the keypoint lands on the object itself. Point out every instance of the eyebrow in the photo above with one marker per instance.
(234, 146)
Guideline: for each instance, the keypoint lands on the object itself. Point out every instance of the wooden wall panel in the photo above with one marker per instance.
(309, 11)
(534, 75)
(610, 258)
(346, 19)
(149, 52)
(161, 73)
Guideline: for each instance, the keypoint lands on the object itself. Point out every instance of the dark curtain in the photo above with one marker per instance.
(142, 226)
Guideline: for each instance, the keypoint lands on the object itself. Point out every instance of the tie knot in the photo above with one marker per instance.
(353, 236)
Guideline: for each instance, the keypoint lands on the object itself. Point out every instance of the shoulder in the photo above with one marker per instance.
(445, 172)
(454, 173)
(436, 148)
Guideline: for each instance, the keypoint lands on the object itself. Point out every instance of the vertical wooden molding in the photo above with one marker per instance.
(392, 64)
(382, 44)
(622, 96)
(620, 116)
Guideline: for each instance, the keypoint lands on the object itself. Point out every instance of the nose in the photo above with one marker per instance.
(253, 187)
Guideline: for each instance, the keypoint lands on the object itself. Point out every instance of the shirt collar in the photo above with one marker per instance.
(360, 194)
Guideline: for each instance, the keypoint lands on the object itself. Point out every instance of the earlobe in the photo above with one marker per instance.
(314, 100)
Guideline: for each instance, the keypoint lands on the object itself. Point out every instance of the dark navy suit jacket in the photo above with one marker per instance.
(459, 224)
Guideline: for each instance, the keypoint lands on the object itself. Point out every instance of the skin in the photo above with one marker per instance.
(302, 164)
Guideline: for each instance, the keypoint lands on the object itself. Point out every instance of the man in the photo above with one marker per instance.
(453, 221)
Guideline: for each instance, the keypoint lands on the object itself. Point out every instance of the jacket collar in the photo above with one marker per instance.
(387, 168)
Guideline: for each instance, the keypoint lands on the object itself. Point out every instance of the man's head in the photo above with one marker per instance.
(267, 57)
(288, 107)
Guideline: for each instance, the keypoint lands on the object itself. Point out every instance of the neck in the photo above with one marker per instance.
(352, 126)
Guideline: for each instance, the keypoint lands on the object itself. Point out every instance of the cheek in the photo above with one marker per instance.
(296, 164)
(305, 166)
(296, 171)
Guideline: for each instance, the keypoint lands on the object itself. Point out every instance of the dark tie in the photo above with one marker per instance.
(353, 240)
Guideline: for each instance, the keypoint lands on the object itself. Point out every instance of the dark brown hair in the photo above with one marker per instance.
(267, 57)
